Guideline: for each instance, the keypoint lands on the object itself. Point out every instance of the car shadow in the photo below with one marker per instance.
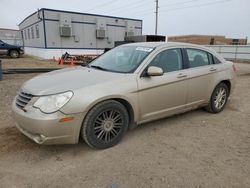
(11, 140)
(8, 57)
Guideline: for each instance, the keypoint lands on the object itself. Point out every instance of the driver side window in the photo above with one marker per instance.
(169, 60)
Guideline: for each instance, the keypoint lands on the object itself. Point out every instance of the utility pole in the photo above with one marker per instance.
(156, 16)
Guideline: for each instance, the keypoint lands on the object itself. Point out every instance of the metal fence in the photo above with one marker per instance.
(233, 52)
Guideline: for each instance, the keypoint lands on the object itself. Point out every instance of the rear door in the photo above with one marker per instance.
(160, 96)
(202, 73)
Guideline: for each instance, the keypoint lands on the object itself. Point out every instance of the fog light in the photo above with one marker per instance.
(40, 138)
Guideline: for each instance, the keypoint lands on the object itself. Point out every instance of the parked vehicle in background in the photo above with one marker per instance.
(130, 84)
(11, 50)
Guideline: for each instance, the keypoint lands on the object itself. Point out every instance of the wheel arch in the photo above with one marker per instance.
(225, 81)
(129, 108)
(228, 84)
(124, 102)
(209, 107)
(13, 49)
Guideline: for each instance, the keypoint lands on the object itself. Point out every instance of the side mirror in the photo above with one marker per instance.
(154, 71)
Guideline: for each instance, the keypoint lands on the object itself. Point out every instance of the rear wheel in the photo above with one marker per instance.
(14, 54)
(105, 124)
(218, 99)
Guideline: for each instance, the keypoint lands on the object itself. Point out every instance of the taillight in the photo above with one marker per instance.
(234, 68)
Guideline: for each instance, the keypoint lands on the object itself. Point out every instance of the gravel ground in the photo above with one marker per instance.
(28, 62)
(195, 149)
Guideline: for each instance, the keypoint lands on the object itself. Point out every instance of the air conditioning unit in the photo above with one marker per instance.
(65, 31)
(129, 33)
(130, 29)
(65, 26)
(100, 33)
(100, 28)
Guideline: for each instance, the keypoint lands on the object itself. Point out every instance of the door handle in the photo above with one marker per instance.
(181, 75)
(212, 69)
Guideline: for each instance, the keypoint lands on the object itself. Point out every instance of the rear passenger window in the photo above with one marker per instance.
(197, 58)
(211, 59)
(216, 60)
(169, 60)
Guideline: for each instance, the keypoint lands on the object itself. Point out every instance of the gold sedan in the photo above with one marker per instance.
(129, 85)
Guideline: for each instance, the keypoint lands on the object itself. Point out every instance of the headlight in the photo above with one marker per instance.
(52, 103)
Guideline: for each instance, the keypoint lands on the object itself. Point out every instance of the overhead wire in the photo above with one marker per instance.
(178, 3)
(126, 7)
(102, 5)
(180, 8)
(195, 6)
(164, 5)
(131, 7)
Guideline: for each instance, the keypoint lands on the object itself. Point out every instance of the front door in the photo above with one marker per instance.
(160, 96)
(3, 50)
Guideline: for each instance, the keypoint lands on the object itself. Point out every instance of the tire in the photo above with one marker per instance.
(14, 54)
(105, 124)
(217, 106)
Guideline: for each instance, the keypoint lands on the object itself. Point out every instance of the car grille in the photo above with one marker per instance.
(23, 99)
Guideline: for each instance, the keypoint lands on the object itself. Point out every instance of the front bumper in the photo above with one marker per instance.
(46, 128)
(21, 52)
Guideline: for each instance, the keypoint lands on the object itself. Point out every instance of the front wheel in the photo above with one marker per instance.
(14, 54)
(218, 99)
(105, 124)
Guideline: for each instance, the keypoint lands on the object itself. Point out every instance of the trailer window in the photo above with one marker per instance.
(32, 32)
(28, 33)
(37, 31)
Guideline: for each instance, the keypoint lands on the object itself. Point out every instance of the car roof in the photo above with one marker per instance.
(161, 44)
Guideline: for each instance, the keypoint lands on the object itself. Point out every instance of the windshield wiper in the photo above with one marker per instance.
(98, 67)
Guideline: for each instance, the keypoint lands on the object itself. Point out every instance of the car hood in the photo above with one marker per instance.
(12, 46)
(68, 79)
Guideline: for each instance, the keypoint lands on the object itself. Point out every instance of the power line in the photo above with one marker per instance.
(194, 6)
(167, 5)
(126, 6)
(179, 3)
(180, 8)
(101, 5)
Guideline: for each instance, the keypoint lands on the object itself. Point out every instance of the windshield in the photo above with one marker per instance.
(124, 59)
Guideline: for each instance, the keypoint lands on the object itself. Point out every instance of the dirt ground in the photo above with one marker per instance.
(195, 149)
(28, 62)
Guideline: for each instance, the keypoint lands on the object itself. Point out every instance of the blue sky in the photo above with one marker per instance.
(176, 17)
